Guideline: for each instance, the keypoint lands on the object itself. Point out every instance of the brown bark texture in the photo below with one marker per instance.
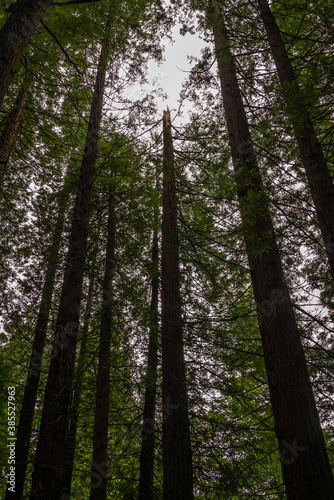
(15, 35)
(147, 447)
(99, 474)
(31, 387)
(50, 454)
(12, 124)
(318, 175)
(305, 465)
(177, 456)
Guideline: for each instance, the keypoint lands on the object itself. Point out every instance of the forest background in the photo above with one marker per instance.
(44, 121)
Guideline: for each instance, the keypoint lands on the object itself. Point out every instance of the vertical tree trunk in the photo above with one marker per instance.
(31, 388)
(318, 175)
(99, 473)
(306, 470)
(15, 35)
(74, 416)
(177, 457)
(12, 123)
(50, 454)
(147, 446)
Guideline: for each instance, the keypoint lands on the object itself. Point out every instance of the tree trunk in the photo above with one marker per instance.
(99, 473)
(318, 175)
(147, 446)
(50, 454)
(74, 416)
(306, 470)
(15, 35)
(12, 123)
(177, 457)
(31, 388)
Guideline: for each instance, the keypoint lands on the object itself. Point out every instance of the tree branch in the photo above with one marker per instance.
(73, 2)
(296, 306)
(61, 47)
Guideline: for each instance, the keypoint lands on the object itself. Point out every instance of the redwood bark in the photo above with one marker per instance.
(147, 446)
(31, 387)
(318, 175)
(12, 123)
(74, 416)
(99, 474)
(177, 456)
(50, 454)
(306, 469)
(15, 35)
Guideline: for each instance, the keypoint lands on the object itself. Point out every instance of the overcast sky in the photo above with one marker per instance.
(174, 70)
(170, 75)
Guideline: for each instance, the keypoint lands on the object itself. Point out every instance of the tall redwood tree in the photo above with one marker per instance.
(8, 134)
(77, 395)
(306, 469)
(17, 32)
(50, 454)
(27, 410)
(15, 35)
(100, 441)
(177, 456)
(314, 161)
(148, 428)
